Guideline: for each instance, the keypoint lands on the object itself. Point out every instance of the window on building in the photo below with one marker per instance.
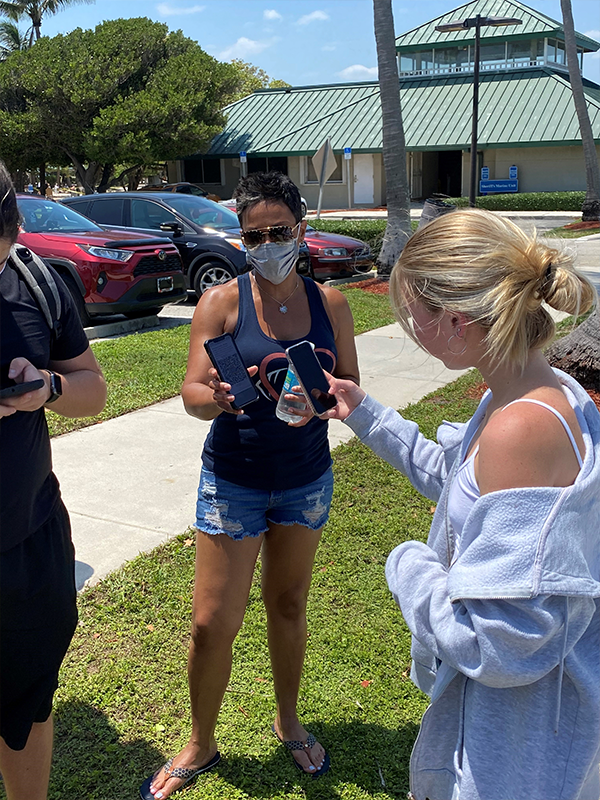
(203, 171)
(310, 176)
(552, 50)
(519, 52)
(267, 164)
(537, 49)
(424, 59)
(493, 52)
(408, 63)
(561, 56)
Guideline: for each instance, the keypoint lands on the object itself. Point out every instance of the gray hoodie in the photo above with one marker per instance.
(506, 625)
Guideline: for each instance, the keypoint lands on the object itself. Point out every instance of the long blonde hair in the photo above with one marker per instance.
(483, 266)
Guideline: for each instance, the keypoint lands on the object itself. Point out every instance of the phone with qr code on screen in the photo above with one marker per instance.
(227, 360)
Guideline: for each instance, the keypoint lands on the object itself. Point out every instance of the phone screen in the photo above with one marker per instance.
(311, 376)
(227, 360)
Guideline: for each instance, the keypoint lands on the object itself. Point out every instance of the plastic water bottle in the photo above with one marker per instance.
(285, 408)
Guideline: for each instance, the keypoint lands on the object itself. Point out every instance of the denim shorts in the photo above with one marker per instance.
(238, 511)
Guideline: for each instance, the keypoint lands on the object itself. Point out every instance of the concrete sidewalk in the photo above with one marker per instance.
(130, 483)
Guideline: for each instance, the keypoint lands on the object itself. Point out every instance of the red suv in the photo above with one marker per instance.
(107, 272)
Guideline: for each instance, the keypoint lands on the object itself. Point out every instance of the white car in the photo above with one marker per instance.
(230, 204)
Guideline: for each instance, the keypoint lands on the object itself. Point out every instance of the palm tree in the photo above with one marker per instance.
(35, 10)
(394, 154)
(579, 352)
(12, 40)
(591, 205)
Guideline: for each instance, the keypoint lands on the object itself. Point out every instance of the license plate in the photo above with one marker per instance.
(164, 285)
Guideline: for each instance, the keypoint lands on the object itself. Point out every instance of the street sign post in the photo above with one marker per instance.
(348, 158)
(324, 163)
(243, 163)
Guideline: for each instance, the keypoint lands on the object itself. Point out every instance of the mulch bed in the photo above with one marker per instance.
(477, 392)
(372, 285)
(582, 226)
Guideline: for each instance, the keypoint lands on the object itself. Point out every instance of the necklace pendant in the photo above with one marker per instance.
(283, 309)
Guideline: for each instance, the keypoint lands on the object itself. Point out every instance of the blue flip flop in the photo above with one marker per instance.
(307, 745)
(188, 775)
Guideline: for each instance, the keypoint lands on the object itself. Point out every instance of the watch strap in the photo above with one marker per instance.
(55, 387)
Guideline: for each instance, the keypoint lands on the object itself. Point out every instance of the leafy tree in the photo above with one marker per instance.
(394, 154)
(35, 10)
(252, 78)
(129, 92)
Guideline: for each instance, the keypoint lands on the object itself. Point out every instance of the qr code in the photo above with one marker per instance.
(232, 370)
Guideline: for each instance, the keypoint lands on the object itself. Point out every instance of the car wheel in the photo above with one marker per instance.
(84, 316)
(304, 208)
(212, 274)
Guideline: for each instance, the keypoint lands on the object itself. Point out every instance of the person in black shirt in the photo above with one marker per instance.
(37, 581)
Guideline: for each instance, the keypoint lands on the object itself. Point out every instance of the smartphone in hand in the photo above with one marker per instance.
(226, 359)
(311, 377)
(20, 388)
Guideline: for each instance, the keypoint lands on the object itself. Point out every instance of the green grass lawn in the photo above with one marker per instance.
(566, 233)
(144, 368)
(122, 706)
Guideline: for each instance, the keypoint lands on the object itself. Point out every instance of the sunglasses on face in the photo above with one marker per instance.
(279, 234)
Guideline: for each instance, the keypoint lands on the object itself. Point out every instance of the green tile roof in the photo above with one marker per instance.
(532, 107)
(534, 25)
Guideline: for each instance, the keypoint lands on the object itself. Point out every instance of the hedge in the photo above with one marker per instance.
(526, 201)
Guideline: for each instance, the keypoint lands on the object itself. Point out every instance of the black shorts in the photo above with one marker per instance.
(38, 616)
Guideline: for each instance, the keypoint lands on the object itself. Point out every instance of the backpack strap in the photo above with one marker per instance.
(41, 283)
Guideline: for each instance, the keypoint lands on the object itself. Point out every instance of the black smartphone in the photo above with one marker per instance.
(21, 388)
(226, 359)
(311, 377)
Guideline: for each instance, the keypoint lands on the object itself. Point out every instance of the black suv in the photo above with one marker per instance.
(206, 233)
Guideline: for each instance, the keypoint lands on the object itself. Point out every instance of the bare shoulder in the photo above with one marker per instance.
(217, 304)
(332, 296)
(523, 445)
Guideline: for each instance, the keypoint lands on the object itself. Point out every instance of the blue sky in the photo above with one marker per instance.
(299, 41)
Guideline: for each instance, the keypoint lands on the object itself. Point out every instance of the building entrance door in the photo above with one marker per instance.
(364, 179)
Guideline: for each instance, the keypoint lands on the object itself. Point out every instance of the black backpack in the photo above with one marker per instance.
(42, 284)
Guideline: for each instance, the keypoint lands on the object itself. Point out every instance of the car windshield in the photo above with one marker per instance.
(203, 212)
(45, 216)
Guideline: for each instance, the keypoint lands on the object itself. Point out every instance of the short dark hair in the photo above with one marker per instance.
(270, 187)
(10, 217)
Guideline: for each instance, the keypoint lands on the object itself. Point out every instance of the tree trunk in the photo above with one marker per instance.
(578, 353)
(394, 154)
(591, 205)
(43, 179)
(105, 181)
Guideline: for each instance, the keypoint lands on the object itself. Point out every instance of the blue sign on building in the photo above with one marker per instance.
(486, 187)
(485, 173)
(512, 173)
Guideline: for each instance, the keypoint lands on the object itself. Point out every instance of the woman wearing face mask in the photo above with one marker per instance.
(265, 485)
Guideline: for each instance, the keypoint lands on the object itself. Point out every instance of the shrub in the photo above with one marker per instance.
(526, 201)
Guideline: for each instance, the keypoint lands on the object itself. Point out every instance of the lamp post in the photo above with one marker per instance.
(461, 25)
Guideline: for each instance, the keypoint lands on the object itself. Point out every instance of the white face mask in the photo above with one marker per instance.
(274, 261)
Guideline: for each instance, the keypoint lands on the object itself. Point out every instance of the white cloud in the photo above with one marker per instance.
(593, 34)
(358, 73)
(243, 48)
(314, 17)
(270, 13)
(166, 10)
(328, 48)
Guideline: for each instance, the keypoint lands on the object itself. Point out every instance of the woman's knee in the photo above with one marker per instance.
(213, 630)
(289, 604)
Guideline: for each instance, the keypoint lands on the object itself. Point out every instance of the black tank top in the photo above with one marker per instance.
(256, 449)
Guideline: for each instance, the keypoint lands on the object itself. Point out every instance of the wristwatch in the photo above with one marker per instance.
(55, 387)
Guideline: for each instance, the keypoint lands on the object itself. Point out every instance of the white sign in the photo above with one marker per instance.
(243, 158)
(347, 153)
(324, 162)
